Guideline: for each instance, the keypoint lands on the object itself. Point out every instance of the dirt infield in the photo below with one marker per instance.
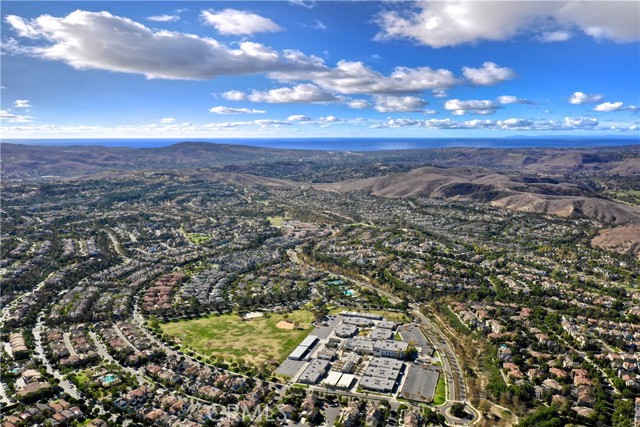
(286, 324)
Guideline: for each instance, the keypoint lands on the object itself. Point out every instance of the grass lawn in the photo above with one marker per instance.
(392, 316)
(256, 341)
(440, 395)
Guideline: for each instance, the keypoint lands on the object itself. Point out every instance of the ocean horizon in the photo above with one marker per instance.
(345, 144)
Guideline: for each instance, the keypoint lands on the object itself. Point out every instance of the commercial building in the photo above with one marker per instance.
(381, 385)
(314, 372)
(388, 348)
(344, 330)
(381, 334)
(386, 362)
(360, 345)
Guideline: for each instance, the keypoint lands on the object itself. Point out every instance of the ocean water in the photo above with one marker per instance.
(350, 144)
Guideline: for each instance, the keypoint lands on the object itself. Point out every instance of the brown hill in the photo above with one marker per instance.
(530, 194)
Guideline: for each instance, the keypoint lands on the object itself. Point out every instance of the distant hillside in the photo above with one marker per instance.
(523, 193)
(29, 161)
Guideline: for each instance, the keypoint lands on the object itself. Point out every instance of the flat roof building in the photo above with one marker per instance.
(332, 379)
(298, 353)
(344, 330)
(386, 325)
(326, 354)
(377, 384)
(375, 371)
(345, 381)
(388, 348)
(360, 345)
(381, 334)
(309, 341)
(386, 362)
(358, 321)
(363, 315)
(314, 372)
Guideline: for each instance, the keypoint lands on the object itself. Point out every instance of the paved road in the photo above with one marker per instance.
(68, 344)
(102, 352)
(66, 386)
(453, 374)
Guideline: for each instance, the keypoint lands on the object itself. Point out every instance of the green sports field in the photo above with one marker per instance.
(256, 341)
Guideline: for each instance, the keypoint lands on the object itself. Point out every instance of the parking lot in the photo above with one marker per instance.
(420, 384)
(412, 333)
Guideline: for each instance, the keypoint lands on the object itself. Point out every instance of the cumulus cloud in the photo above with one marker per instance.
(167, 120)
(330, 119)
(608, 107)
(399, 104)
(234, 95)
(21, 103)
(510, 99)
(299, 118)
(481, 107)
(100, 40)
(359, 104)
(163, 18)
(513, 124)
(578, 98)
(354, 77)
(14, 118)
(228, 110)
(238, 22)
(450, 23)
(488, 75)
(302, 93)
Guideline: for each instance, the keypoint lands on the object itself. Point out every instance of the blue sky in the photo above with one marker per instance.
(319, 69)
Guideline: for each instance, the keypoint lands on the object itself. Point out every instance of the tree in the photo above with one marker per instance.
(457, 410)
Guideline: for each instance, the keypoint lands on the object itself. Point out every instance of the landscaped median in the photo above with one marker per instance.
(233, 338)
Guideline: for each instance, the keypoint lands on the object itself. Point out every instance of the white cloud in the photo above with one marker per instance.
(163, 18)
(270, 122)
(351, 78)
(167, 120)
(299, 118)
(302, 93)
(359, 104)
(228, 110)
(580, 122)
(515, 123)
(238, 22)
(307, 4)
(510, 99)
(481, 107)
(330, 119)
(21, 103)
(399, 104)
(614, 106)
(317, 25)
(14, 118)
(555, 36)
(578, 98)
(488, 75)
(608, 106)
(439, 93)
(450, 23)
(234, 95)
(100, 40)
